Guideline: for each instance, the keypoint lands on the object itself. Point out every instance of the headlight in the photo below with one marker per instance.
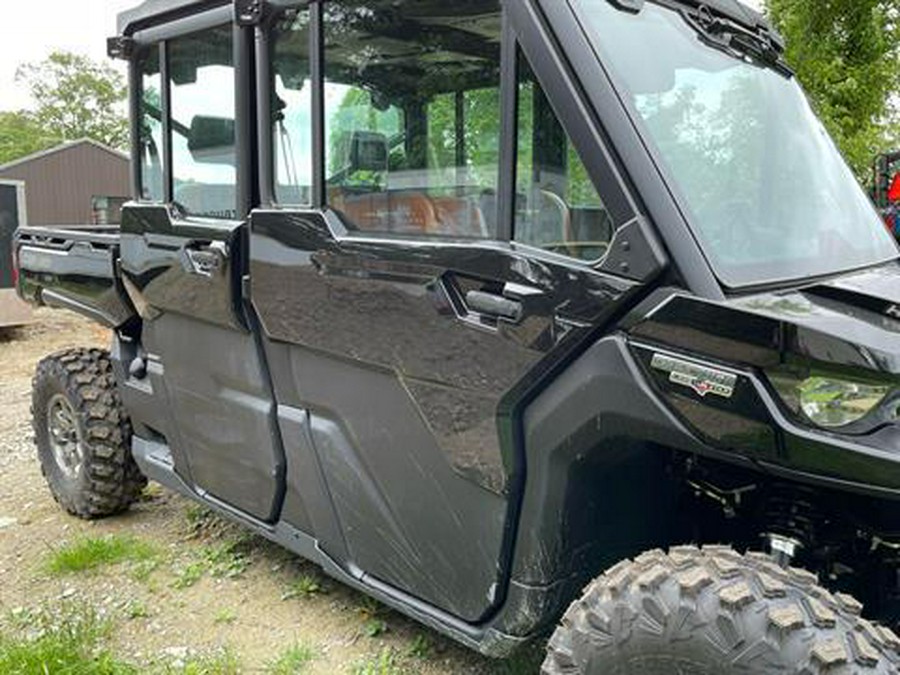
(829, 402)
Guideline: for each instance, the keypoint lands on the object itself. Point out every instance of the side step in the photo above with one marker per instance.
(155, 461)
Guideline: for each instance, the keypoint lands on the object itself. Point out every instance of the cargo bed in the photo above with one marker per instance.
(74, 268)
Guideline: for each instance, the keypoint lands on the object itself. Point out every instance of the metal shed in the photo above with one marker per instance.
(75, 183)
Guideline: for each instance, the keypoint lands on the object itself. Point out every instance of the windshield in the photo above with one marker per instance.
(767, 193)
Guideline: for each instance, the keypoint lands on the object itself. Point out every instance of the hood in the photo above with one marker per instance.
(851, 321)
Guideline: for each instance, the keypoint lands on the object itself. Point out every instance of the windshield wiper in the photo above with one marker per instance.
(763, 46)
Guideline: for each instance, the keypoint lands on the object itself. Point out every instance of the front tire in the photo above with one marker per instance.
(715, 612)
(83, 435)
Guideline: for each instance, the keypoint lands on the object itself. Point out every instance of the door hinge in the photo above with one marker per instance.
(249, 12)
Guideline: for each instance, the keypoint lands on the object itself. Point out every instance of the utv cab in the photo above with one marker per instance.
(495, 308)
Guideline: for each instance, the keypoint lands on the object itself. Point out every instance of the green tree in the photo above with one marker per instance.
(76, 98)
(847, 56)
(20, 136)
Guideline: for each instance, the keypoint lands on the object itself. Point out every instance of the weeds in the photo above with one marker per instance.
(225, 662)
(385, 663)
(90, 553)
(188, 575)
(304, 587)
(291, 661)
(225, 616)
(527, 660)
(372, 611)
(136, 610)
(66, 640)
(421, 647)
(228, 559)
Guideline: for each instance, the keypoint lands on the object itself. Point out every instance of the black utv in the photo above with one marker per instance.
(502, 312)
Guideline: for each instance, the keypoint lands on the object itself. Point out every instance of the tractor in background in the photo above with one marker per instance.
(886, 189)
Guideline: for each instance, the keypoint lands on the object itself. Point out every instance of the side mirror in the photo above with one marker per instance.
(211, 140)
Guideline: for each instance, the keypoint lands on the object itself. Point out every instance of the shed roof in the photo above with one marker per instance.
(62, 147)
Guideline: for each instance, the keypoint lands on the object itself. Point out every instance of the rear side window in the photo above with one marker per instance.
(412, 116)
(292, 109)
(201, 72)
(558, 208)
(150, 133)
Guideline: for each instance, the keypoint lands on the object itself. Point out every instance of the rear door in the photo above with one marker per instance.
(207, 393)
(405, 322)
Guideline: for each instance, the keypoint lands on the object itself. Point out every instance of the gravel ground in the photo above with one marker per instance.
(264, 602)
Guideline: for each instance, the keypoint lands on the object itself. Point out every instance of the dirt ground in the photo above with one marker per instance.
(255, 610)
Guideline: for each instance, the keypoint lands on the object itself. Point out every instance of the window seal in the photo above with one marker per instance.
(166, 114)
(506, 184)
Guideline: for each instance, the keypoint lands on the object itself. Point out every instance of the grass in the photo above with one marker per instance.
(90, 553)
(523, 662)
(222, 663)
(69, 640)
(304, 587)
(188, 575)
(421, 648)
(136, 609)
(65, 640)
(386, 663)
(225, 616)
(226, 560)
(291, 661)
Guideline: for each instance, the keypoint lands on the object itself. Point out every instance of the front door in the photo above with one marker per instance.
(183, 263)
(403, 328)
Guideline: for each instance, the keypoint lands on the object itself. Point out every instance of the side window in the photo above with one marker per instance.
(201, 73)
(557, 205)
(292, 109)
(412, 116)
(150, 136)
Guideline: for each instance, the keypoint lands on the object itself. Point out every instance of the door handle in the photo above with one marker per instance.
(494, 305)
(207, 260)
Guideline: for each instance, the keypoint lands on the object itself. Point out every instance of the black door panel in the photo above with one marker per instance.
(182, 267)
(410, 384)
(184, 278)
(222, 407)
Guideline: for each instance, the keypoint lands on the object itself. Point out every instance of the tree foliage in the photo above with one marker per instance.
(847, 56)
(76, 97)
(20, 136)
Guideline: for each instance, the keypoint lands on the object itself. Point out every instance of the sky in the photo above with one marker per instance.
(30, 31)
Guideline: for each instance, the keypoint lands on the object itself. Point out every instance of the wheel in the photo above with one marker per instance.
(83, 435)
(715, 612)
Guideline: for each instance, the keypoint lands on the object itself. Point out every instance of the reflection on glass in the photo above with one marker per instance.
(770, 197)
(412, 116)
(557, 206)
(150, 132)
(292, 109)
(203, 151)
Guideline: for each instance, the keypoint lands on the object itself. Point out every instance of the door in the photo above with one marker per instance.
(183, 264)
(403, 327)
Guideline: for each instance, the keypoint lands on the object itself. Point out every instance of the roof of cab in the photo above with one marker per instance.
(144, 14)
(150, 10)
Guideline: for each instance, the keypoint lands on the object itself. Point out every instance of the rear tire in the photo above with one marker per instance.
(715, 612)
(83, 435)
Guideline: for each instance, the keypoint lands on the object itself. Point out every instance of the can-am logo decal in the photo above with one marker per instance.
(702, 379)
